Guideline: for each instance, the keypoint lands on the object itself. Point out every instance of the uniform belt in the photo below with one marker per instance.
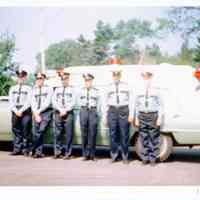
(118, 107)
(19, 107)
(148, 112)
(88, 108)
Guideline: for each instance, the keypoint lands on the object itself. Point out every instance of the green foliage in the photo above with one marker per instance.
(120, 40)
(185, 20)
(7, 50)
(5, 84)
(95, 52)
(197, 52)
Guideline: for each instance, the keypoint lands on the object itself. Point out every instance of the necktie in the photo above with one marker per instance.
(63, 97)
(117, 92)
(40, 94)
(87, 104)
(19, 94)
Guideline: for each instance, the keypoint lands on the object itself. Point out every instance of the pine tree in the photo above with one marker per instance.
(197, 52)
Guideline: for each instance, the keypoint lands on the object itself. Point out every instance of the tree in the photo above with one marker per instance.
(62, 54)
(197, 52)
(185, 55)
(120, 40)
(185, 20)
(7, 66)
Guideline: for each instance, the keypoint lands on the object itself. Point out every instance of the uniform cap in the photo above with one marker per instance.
(21, 73)
(116, 73)
(40, 75)
(146, 71)
(88, 76)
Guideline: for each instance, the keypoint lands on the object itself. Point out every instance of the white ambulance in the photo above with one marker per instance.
(177, 85)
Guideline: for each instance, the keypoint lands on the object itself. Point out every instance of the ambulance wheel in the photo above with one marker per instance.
(166, 146)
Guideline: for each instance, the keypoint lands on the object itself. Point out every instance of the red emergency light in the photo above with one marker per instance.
(197, 74)
(113, 61)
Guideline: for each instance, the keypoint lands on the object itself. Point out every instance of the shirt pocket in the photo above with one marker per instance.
(124, 95)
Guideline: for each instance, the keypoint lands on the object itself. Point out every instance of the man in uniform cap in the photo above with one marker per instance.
(89, 102)
(41, 100)
(119, 109)
(63, 103)
(20, 98)
(148, 117)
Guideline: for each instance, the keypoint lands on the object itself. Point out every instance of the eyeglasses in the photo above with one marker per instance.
(40, 78)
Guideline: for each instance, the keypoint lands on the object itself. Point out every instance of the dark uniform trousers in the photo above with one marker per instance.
(149, 135)
(119, 130)
(88, 122)
(39, 131)
(21, 128)
(63, 127)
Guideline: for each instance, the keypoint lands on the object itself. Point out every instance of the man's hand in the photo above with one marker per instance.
(136, 123)
(63, 113)
(130, 120)
(37, 117)
(18, 113)
(158, 124)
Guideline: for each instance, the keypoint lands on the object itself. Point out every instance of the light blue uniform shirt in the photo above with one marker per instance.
(150, 101)
(64, 98)
(119, 95)
(41, 98)
(89, 98)
(20, 96)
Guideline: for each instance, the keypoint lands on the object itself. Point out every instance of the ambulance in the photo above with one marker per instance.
(178, 88)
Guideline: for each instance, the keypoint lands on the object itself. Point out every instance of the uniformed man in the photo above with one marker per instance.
(42, 112)
(20, 98)
(89, 102)
(119, 104)
(63, 103)
(149, 111)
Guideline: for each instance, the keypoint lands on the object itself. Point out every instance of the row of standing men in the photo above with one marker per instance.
(122, 109)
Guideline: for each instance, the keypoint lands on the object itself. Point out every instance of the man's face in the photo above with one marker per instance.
(147, 79)
(65, 81)
(88, 83)
(39, 81)
(146, 76)
(116, 77)
(21, 80)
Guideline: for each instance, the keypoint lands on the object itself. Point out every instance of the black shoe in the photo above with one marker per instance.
(85, 158)
(38, 156)
(67, 157)
(93, 159)
(15, 153)
(113, 160)
(57, 156)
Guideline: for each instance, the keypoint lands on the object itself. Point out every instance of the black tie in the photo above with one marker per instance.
(63, 97)
(117, 92)
(40, 94)
(19, 94)
(87, 97)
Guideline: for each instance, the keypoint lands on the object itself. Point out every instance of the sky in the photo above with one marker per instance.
(58, 23)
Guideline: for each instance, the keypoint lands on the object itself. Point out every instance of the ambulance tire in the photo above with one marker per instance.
(166, 146)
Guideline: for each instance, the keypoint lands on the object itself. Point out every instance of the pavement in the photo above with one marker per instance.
(182, 168)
